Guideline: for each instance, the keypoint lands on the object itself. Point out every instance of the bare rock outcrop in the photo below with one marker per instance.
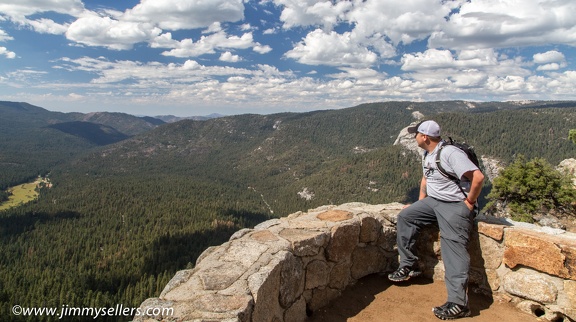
(568, 167)
(406, 140)
(491, 167)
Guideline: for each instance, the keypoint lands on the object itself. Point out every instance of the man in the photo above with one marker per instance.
(441, 202)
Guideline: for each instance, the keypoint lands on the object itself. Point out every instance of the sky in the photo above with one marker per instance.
(198, 57)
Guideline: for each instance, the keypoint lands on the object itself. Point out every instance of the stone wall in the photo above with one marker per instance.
(288, 267)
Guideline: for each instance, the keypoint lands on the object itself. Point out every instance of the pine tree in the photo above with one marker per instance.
(531, 187)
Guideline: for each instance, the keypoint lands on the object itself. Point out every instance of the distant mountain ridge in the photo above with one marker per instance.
(33, 139)
(122, 122)
(359, 126)
(311, 150)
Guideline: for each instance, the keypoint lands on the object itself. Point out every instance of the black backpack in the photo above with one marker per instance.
(469, 150)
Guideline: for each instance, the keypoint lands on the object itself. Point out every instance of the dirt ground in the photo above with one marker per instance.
(374, 298)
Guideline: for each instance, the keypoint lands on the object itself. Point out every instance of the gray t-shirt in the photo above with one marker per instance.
(454, 161)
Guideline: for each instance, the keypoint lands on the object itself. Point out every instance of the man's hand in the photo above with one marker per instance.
(469, 205)
(476, 180)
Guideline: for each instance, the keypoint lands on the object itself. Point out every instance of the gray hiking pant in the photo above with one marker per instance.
(455, 222)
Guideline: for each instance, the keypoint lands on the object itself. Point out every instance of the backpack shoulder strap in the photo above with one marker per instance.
(443, 171)
(439, 164)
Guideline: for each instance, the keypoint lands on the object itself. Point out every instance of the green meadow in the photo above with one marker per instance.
(21, 194)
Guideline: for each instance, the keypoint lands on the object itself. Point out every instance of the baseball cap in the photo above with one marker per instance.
(430, 128)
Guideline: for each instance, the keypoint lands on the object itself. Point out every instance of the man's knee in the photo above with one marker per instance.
(403, 216)
(410, 213)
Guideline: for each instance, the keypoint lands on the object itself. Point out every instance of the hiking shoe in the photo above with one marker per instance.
(451, 311)
(403, 274)
(440, 308)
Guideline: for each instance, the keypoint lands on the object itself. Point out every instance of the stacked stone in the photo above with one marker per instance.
(283, 268)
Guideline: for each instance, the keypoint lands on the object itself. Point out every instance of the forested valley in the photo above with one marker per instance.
(123, 216)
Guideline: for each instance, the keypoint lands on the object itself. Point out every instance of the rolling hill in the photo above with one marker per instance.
(33, 139)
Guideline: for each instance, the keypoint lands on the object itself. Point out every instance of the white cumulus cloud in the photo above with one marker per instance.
(20, 12)
(210, 43)
(4, 36)
(8, 54)
(550, 60)
(106, 32)
(321, 48)
(189, 14)
(229, 57)
(551, 56)
(296, 13)
(507, 23)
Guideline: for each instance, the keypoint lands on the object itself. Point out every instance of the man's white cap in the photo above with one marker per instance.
(429, 128)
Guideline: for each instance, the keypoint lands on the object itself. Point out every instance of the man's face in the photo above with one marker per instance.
(420, 139)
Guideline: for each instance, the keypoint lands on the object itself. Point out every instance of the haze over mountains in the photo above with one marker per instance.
(172, 118)
(135, 199)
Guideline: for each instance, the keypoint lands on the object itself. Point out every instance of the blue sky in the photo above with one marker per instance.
(196, 57)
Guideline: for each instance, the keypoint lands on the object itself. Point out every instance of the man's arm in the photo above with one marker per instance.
(476, 178)
(422, 188)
